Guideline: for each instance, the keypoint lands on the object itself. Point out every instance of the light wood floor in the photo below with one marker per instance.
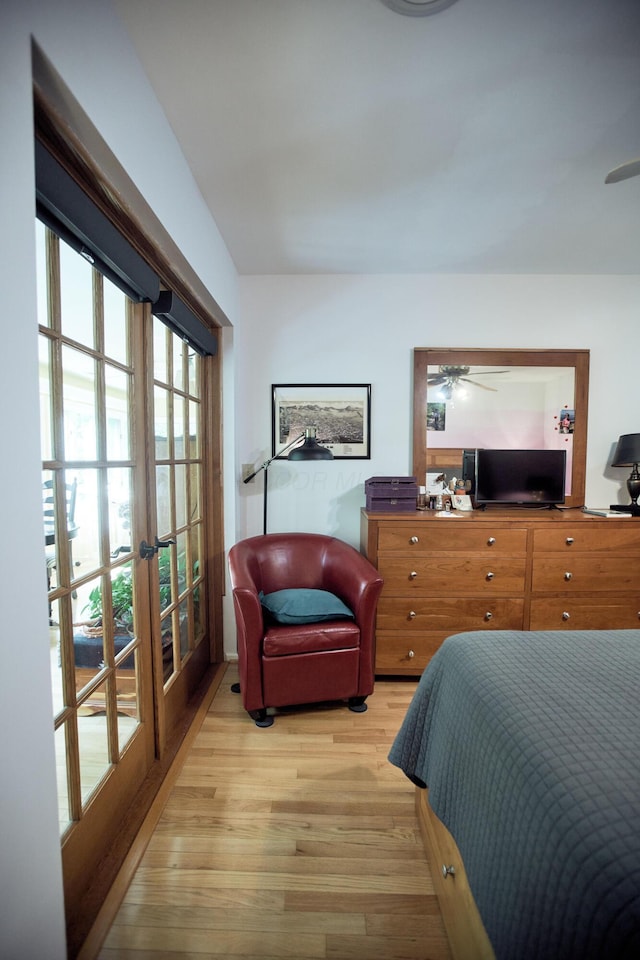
(297, 841)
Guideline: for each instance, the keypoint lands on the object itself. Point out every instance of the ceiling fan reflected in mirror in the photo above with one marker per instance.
(450, 377)
(417, 8)
(629, 169)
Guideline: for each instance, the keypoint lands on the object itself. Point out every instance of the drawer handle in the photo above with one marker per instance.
(491, 541)
(414, 540)
(568, 575)
(490, 576)
(413, 575)
(448, 871)
(566, 616)
(411, 655)
(488, 615)
(569, 541)
(412, 615)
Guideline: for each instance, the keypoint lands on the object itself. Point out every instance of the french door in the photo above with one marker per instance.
(175, 504)
(121, 402)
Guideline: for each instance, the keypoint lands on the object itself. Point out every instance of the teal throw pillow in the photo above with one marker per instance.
(303, 605)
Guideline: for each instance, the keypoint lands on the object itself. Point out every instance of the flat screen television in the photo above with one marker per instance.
(533, 478)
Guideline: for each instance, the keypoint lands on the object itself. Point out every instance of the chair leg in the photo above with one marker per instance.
(260, 717)
(357, 704)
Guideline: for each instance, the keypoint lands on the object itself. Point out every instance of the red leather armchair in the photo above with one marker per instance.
(282, 665)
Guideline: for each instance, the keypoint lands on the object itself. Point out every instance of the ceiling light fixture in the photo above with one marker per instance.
(417, 8)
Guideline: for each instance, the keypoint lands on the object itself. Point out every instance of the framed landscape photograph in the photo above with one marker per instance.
(340, 413)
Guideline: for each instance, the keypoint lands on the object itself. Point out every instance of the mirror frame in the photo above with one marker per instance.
(424, 357)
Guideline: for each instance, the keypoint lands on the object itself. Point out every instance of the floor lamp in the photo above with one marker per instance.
(309, 450)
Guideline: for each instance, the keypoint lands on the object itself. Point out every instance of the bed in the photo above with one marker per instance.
(528, 743)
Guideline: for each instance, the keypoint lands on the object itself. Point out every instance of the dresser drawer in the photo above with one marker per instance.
(593, 574)
(453, 535)
(606, 537)
(397, 653)
(453, 576)
(448, 614)
(585, 613)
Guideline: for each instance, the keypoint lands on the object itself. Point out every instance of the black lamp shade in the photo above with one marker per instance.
(310, 449)
(627, 451)
(628, 455)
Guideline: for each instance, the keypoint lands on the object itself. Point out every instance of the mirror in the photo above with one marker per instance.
(535, 399)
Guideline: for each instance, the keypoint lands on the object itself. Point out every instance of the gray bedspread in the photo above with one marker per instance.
(529, 744)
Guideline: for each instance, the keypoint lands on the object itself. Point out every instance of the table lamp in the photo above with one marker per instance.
(628, 455)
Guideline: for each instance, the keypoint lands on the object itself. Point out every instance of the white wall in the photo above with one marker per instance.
(358, 329)
(31, 915)
(86, 44)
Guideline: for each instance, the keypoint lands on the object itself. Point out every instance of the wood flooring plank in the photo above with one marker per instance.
(384, 948)
(410, 869)
(231, 943)
(274, 879)
(394, 926)
(214, 844)
(227, 918)
(375, 850)
(211, 898)
(346, 805)
(368, 902)
(121, 953)
(308, 747)
(376, 793)
(247, 816)
(317, 839)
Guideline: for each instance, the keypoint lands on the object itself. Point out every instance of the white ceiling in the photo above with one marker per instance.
(336, 136)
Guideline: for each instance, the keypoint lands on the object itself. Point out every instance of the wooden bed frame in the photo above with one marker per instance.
(467, 937)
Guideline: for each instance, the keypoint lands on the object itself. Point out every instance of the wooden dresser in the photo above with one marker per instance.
(497, 569)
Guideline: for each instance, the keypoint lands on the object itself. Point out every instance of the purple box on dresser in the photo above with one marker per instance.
(391, 494)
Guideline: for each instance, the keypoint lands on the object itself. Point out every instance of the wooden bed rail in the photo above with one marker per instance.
(467, 937)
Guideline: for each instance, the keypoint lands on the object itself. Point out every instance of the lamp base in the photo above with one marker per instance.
(631, 508)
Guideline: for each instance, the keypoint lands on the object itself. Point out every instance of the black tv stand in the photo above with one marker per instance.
(523, 506)
(631, 508)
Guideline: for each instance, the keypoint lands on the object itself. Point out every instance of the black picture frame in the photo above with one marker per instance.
(340, 412)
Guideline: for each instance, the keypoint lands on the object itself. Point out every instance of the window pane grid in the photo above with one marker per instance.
(177, 411)
(86, 396)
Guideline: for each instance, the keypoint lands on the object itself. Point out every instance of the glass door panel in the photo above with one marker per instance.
(64, 810)
(87, 542)
(163, 501)
(120, 507)
(117, 413)
(79, 404)
(41, 278)
(178, 427)
(97, 629)
(93, 748)
(46, 415)
(180, 472)
(159, 352)
(116, 341)
(177, 350)
(181, 614)
(76, 296)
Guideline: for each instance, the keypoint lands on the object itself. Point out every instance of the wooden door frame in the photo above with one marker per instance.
(57, 118)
